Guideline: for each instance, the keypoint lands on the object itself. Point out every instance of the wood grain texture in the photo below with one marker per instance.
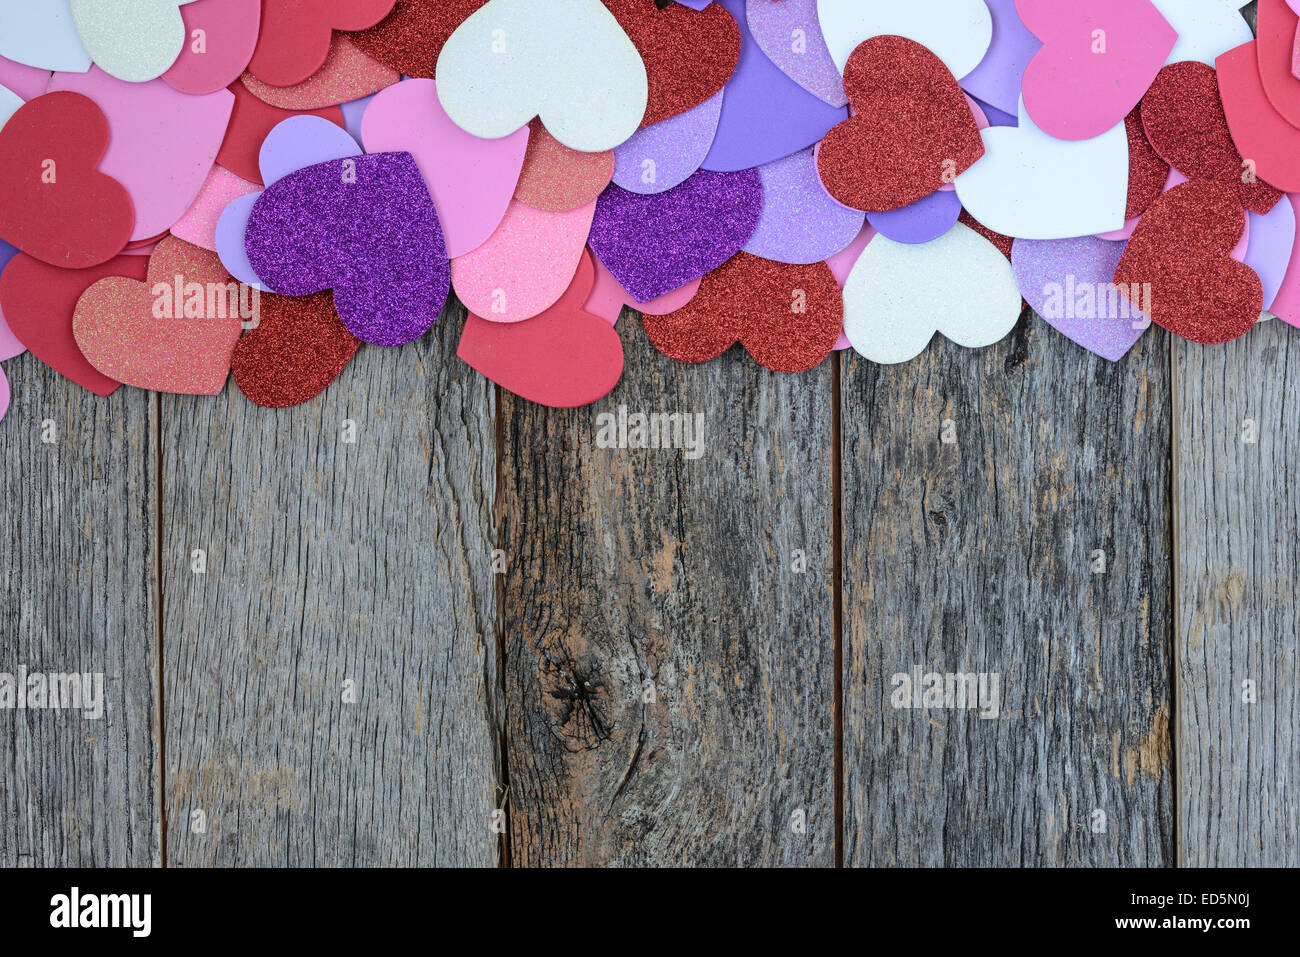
(327, 563)
(975, 557)
(632, 566)
(77, 594)
(1238, 514)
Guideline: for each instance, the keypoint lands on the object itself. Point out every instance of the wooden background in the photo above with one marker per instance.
(504, 718)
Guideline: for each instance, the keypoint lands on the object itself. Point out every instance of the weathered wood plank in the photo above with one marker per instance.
(976, 557)
(330, 563)
(1238, 518)
(632, 566)
(78, 583)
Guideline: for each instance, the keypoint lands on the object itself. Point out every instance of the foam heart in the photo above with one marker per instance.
(133, 40)
(1096, 62)
(564, 358)
(27, 82)
(250, 123)
(1272, 239)
(655, 244)
(471, 180)
(791, 36)
(170, 333)
(1147, 172)
(199, 224)
(1258, 131)
(997, 79)
(365, 227)
(1183, 117)
(9, 104)
(898, 296)
(688, 57)
(557, 178)
(913, 131)
(926, 219)
(800, 223)
(55, 203)
(765, 115)
(526, 265)
(295, 37)
(42, 35)
(163, 142)
(1179, 258)
(1068, 283)
(512, 60)
(958, 32)
(660, 157)
(786, 316)
(1034, 186)
(411, 37)
(1205, 28)
(295, 143)
(4, 395)
(299, 347)
(9, 344)
(1276, 27)
(1286, 304)
(608, 298)
(38, 302)
(220, 38)
(347, 74)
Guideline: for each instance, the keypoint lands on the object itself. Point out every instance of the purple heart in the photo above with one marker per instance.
(801, 224)
(775, 25)
(919, 222)
(1272, 238)
(1069, 283)
(997, 78)
(365, 227)
(765, 114)
(661, 156)
(657, 243)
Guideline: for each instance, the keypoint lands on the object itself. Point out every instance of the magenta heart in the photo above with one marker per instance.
(1098, 59)
(365, 227)
(653, 244)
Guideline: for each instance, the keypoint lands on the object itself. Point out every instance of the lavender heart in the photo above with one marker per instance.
(657, 243)
(365, 227)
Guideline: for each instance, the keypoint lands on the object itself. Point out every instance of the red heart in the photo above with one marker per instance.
(1184, 121)
(1147, 172)
(689, 55)
(563, 358)
(787, 317)
(250, 121)
(912, 134)
(299, 347)
(1259, 130)
(1177, 265)
(295, 35)
(411, 37)
(38, 302)
(54, 203)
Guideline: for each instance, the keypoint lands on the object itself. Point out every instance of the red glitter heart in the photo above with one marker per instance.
(913, 131)
(563, 358)
(295, 35)
(250, 121)
(299, 347)
(787, 317)
(1181, 250)
(1147, 172)
(38, 302)
(1184, 121)
(689, 54)
(411, 37)
(55, 204)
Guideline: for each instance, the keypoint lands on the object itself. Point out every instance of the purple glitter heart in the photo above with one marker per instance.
(364, 227)
(657, 243)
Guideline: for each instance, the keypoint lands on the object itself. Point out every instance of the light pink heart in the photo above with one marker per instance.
(199, 224)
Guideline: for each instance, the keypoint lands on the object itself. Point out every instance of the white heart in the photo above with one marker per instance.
(567, 61)
(1034, 186)
(41, 34)
(133, 40)
(958, 32)
(1206, 28)
(899, 295)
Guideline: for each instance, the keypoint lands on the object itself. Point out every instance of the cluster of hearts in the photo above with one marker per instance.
(796, 176)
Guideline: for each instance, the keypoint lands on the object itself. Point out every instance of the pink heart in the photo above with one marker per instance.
(1097, 60)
